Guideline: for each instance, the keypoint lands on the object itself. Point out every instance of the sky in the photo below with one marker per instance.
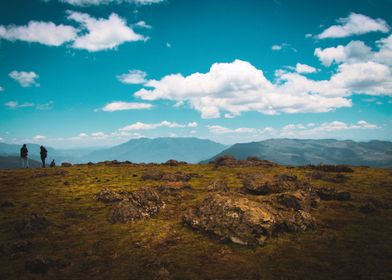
(89, 73)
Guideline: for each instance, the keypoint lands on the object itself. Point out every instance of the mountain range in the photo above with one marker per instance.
(193, 150)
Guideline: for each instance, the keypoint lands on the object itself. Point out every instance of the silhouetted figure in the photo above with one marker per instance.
(24, 156)
(52, 164)
(44, 154)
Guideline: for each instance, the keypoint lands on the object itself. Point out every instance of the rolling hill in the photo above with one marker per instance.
(191, 150)
(326, 151)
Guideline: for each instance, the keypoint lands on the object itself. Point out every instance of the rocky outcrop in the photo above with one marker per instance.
(245, 221)
(173, 162)
(231, 161)
(332, 194)
(267, 184)
(66, 164)
(141, 204)
(110, 196)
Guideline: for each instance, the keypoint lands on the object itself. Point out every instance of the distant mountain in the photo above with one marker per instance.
(191, 150)
(326, 151)
(12, 162)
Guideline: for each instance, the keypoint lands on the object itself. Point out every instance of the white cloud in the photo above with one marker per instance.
(168, 45)
(106, 2)
(25, 79)
(355, 51)
(276, 47)
(304, 68)
(217, 129)
(150, 126)
(99, 135)
(354, 24)
(102, 34)
(121, 106)
(45, 106)
(240, 87)
(15, 104)
(283, 46)
(39, 137)
(1, 88)
(46, 33)
(133, 77)
(143, 24)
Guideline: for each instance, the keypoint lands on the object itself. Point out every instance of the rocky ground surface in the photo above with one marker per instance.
(248, 219)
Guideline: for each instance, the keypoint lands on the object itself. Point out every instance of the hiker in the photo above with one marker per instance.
(23, 155)
(52, 164)
(44, 154)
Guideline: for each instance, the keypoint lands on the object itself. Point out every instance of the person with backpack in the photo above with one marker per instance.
(24, 156)
(44, 154)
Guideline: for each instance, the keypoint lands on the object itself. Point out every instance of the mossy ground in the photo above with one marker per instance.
(347, 243)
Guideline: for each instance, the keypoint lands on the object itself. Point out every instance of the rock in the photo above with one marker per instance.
(244, 221)
(218, 185)
(261, 184)
(90, 163)
(330, 168)
(225, 161)
(332, 194)
(159, 175)
(110, 196)
(32, 224)
(368, 208)
(7, 204)
(297, 200)
(287, 177)
(141, 204)
(336, 178)
(66, 164)
(173, 162)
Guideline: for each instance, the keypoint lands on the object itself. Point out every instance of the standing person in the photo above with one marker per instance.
(44, 154)
(23, 155)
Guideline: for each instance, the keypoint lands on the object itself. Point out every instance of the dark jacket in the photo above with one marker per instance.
(44, 152)
(24, 152)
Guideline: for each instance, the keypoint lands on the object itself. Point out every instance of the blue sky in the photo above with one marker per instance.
(77, 73)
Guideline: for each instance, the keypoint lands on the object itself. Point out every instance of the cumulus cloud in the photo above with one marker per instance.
(143, 24)
(238, 87)
(133, 77)
(354, 24)
(106, 2)
(121, 106)
(149, 126)
(101, 34)
(46, 33)
(25, 79)
(304, 68)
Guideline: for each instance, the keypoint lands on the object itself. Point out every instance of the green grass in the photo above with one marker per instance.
(347, 244)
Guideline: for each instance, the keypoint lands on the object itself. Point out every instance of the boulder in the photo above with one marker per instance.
(141, 204)
(153, 174)
(225, 161)
(327, 193)
(244, 221)
(66, 164)
(110, 196)
(218, 185)
(32, 224)
(297, 200)
(261, 184)
(173, 162)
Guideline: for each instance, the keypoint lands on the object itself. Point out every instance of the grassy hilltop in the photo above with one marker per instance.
(349, 240)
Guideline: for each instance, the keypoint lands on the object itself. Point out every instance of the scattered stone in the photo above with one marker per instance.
(141, 204)
(218, 185)
(332, 194)
(7, 204)
(66, 164)
(110, 196)
(32, 224)
(244, 221)
(368, 208)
